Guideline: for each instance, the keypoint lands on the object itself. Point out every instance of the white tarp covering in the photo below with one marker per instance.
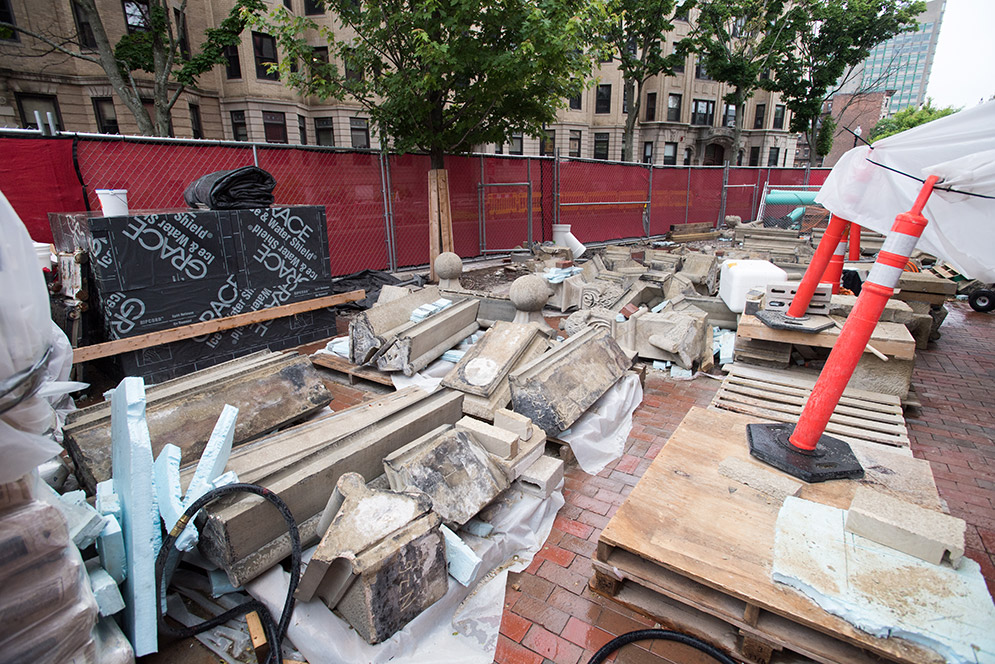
(26, 332)
(959, 148)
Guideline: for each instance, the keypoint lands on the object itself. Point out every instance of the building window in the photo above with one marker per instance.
(687, 156)
(575, 102)
(44, 104)
(302, 128)
(772, 156)
(195, 127)
(575, 136)
(703, 112)
(674, 108)
(729, 116)
(103, 110)
(180, 21)
(239, 130)
(352, 72)
(516, 145)
(323, 132)
(84, 32)
(289, 5)
(758, 119)
(779, 116)
(547, 144)
(626, 90)
(681, 13)
(359, 131)
(670, 154)
(648, 152)
(699, 70)
(7, 16)
(264, 50)
(136, 15)
(755, 155)
(603, 102)
(679, 67)
(601, 146)
(313, 7)
(498, 148)
(650, 106)
(274, 127)
(233, 66)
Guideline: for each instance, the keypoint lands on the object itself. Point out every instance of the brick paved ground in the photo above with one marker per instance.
(550, 614)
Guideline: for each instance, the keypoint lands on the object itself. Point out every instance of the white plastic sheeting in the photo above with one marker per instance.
(461, 628)
(27, 430)
(959, 148)
(599, 436)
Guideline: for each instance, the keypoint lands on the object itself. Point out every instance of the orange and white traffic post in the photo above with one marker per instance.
(803, 449)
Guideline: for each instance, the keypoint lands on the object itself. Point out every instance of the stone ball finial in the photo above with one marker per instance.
(448, 265)
(529, 293)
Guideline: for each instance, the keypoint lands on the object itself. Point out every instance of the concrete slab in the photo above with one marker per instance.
(880, 590)
(931, 536)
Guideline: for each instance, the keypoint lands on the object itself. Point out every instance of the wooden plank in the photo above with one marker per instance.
(434, 224)
(259, 643)
(694, 237)
(682, 518)
(892, 339)
(445, 212)
(761, 390)
(87, 353)
(782, 413)
(692, 228)
(342, 365)
(800, 380)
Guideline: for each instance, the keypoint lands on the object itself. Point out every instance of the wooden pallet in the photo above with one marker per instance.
(779, 396)
(353, 371)
(693, 550)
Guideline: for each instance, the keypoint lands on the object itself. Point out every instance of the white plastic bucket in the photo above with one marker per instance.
(564, 238)
(44, 253)
(114, 202)
(736, 277)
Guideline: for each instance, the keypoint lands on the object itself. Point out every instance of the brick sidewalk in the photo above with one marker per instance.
(551, 615)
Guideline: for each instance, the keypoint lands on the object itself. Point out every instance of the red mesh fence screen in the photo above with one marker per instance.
(601, 201)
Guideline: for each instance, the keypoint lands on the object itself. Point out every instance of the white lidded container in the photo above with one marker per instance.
(113, 202)
(737, 277)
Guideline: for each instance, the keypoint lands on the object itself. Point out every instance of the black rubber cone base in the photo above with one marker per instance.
(832, 459)
(778, 320)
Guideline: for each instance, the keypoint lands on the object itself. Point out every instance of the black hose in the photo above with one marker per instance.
(663, 635)
(169, 556)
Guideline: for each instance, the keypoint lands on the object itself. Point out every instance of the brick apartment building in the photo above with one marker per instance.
(683, 119)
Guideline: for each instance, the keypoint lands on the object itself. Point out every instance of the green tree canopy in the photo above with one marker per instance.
(633, 33)
(829, 36)
(739, 40)
(909, 118)
(441, 75)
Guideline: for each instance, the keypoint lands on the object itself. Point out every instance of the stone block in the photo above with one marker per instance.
(926, 534)
(529, 452)
(382, 560)
(456, 472)
(542, 477)
(497, 441)
(517, 423)
(559, 386)
(702, 270)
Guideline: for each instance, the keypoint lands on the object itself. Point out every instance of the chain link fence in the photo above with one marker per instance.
(377, 204)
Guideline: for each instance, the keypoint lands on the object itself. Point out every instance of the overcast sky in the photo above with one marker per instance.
(964, 67)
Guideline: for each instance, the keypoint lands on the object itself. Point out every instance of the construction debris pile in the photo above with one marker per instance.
(407, 492)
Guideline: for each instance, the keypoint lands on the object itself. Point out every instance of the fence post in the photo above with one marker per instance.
(388, 211)
(255, 156)
(556, 186)
(808, 171)
(647, 218)
(687, 197)
(725, 183)
(528, 204)
(481, 213)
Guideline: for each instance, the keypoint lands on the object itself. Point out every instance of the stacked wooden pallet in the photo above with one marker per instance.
(692, 232)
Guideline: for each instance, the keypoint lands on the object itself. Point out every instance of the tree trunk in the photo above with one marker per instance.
(634, 92)
(812, 134)
(737, 126)
(110, 65)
